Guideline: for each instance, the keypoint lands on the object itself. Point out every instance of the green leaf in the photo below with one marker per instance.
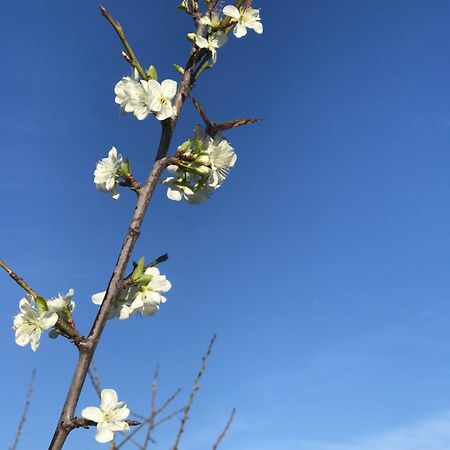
(178, 68)
(41, 303)
(125, 167)
(143, 280)
(152, 73)
(138, 270)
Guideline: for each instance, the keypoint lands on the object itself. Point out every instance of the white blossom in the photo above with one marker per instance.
(158, 98)
(30, 323)
(148, 299)
(110, 417)
(212, 43)
(60, 302)
(177, 190)
(121, 305)
(141, 297)
(129, 93)
(245, 18)
(222, 157)
(213, 21)
(106, 171)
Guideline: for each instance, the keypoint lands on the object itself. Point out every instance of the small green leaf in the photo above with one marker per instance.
(138, 270)
(125, 167)
(41, 303)
(178, 68)
(143, 280)
(152, 73)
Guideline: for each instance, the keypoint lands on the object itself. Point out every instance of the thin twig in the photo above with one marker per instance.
(153, 409)
(130, 54)
(224, 432)
(194, 391)
(147, 419)
(25, 411)
(20, 281)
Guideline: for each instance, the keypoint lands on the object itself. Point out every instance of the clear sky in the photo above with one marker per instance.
(322, 263)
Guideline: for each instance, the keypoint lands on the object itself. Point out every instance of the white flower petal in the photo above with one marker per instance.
(232, 11)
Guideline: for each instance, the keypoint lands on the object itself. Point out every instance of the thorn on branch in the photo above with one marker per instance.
(212, 127)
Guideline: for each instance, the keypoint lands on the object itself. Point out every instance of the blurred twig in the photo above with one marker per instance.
(25, 411)
(194, 391)
(224, 432)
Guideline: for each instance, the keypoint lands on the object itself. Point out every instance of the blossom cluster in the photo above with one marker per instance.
(142, 97)
(203, 164)
(35, 318)
(142, 296)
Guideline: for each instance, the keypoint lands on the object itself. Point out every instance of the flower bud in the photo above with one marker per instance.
(191, 36)
(202, 170)
(203, 159)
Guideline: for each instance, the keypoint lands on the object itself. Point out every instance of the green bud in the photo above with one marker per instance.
(152, 73)
(178, 68)
(191, 36)
(203, 159)
(198, 146)
(42, 304)
(184, 147)
(138, 270)
(202, 170)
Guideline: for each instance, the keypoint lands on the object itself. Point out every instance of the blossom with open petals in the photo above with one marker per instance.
(106, 173)
(30, 323)
(129, 93)
(222, 157)
(158, 97)
(110, 417)
(121, 305)
(245, 18)
(61, 302)
(148, 298)
(212, 43)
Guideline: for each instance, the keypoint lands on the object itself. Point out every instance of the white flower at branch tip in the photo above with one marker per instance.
(212, 43)
(148, 298)
(222, 157)
(245, 18)
(110, 417)
(129, 93)
(106, 171)
(30, 323)
(158, 97)
(60, 302)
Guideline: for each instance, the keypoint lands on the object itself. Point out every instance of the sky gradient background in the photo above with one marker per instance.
(322, 263)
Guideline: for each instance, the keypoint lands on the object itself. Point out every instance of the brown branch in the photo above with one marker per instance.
(224, 432)
(25, 411)
(194, 391)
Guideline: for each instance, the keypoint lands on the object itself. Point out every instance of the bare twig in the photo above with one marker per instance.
(151, 418)
(23, 418)
(212, 127)
(224, 432)
(20, 281)
(129, 55)
(194, 391)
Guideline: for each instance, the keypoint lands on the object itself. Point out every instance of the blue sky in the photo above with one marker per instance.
(322, 263)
